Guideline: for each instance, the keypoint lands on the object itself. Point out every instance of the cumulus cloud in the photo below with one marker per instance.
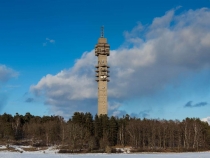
(74, 88)
(76, 83)
(190, 105)
(159, 53)
(207, 119)
(6, 73)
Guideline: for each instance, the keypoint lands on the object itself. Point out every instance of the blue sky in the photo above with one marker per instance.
(160, 65)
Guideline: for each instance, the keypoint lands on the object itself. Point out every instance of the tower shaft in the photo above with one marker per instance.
(102, 51)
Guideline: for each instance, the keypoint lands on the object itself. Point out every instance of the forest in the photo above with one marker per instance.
(86, 133)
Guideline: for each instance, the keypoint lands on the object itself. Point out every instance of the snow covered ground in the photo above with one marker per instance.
(52, 153)
(152, 155)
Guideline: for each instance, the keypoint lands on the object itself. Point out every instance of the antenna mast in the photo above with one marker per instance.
(102, 31)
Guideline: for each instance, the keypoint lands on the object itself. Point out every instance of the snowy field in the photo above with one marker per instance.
(53, 155)
(51, 152)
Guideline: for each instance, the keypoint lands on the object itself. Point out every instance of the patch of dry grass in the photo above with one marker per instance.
(43, 148)
(30, 149)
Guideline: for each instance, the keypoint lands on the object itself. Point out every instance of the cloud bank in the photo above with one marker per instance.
(151, 57)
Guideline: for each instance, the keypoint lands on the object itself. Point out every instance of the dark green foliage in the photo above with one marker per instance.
(82, 133)
(113, 130)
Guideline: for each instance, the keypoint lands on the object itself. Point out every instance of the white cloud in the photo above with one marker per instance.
(6, 73)
(74, 84)
(207, 119)
(171, 46)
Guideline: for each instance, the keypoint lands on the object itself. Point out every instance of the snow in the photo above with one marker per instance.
(124, 150)
(150, 155)
(51, 152)
(2, 147)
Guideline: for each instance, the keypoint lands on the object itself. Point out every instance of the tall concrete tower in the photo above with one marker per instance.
(102, 72)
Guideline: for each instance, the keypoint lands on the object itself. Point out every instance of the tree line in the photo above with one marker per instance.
(85, 132)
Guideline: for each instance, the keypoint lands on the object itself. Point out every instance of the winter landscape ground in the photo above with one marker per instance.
(142, 155)
(51, 152)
